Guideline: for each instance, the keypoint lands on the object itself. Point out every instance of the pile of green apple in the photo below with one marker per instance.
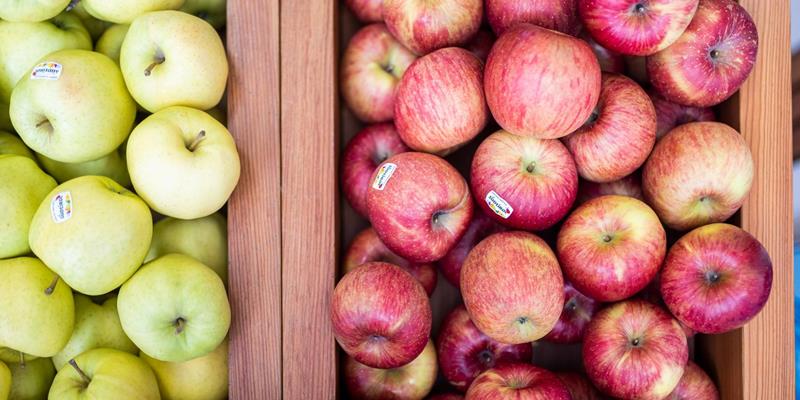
(109, 121)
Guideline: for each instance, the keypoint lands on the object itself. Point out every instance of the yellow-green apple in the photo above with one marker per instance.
(412, 381)
(439, 104)
(125, 11)
(96, 326)
(523, 182)
(711, 60)
(94, 26)
(512, 287)
(183, 162)
(419, 205)
(204, 239)
(112, 166)
(23, 188)
(110, 43)
(518, 381)
(611, 247)
(105, 374)
(558, 15)
(12, 144)
(669, 114)
(694, 385)
(196, 73)
(10, 356)
(716, 278)
(541, 83)
(372, 65)
(610, 61)
(366, 10)
(212, 11)
(630, 186)
(202, 378)
(31, 10)
(579, 386)
(424, 26)
(479, 228)
(363, 153)
(5, 381)
(618, 136)
(92, 232)
(36, 308)
(481, 44)
(175, 309)
(31, 380)
(368, 247)
(93, 123)
(699, 173)
(381, 315)
(578, 311)
(464, 351)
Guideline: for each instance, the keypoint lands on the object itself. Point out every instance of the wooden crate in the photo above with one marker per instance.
(288, 224)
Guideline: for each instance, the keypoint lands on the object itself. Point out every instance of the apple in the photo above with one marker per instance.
(412, 381)
(558, 15)
(110, 43)
(175, 309)
(366, 10)
(699, 173)
(669, 114)
(202, 378)
(30, 380)
(446, 396)
(518, 381)
(630, 186)
(23, 187)
(362, 155)
(125, 11)
(212, 11)
(196, 73)
(481, 44)
(5, 381)
(716, 278)
(578, 311)
(112, 166)
(105, 374)
(204, 239)
(541, 83)
(611, 247)
(694, 385)
(10, 356)
(523, 182)
(183, 162)
(465, 352)
(11, 144)
(424, 26)
(372, 65)
(652, 293)
(711, 60)
(619, 135)
(31, 10)
(579, 386)
(610, 61)
(381, 315)
(478, 229)
(512, 287)
(94, 26)
(419, 205)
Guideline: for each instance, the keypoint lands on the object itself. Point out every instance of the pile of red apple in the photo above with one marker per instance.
(595, 214)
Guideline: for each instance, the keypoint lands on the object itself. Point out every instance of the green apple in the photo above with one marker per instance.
(23, 188)
(36, 308)
(112, 166)
(9, 356)
(105, 374)
(170, 58)
(73, 107)
(183, 162)
(5, 381)
(93, 232)
(203, 378)
(96, 326)
(213, 11)
(205, 239)
(125, 11)
(11, 144)
(95, 26)
(110, 43)
(175, 309)
(31, 380)
(31, 10)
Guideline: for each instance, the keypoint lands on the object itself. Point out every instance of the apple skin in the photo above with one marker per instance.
(5, 381)
(479, 228)
(694, 385)
(541, 83)
(537, 178)
(424, 26)
(518, 381)
(372, 65)
(578, 311)
(202, 378)
(112, 166)
(711, 60)
(669, 114)
(465, 352)
(362, 155)
(381, 315)
(630, 186)
(716, 278)
(366, 10)
(110, 42)
(699, 173)
(481, 44)
(31, 10)
(367, 247)
(125, 11)
(31, 380)
(635, 350)
(610, 61)
(440, 103)
(412, 381)
(11, 144)
(579, 386)
(512, 287)
(423, 209)
(113, 374)
(558, 15)
(619, 135)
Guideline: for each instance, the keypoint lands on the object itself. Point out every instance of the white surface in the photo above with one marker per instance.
(795, 25)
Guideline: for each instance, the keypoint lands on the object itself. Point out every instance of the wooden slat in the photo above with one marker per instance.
(254, 213)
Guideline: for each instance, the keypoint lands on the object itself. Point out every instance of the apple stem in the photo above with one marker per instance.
(199, 138)
(21, 359)
(158, 61)
(86, 379)
(50, 289)
(180, 323)
(72, 4)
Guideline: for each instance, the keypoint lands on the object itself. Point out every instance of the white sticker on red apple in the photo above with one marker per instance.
(49, 70)
(61, 207)
(498, 205)
(384, 174)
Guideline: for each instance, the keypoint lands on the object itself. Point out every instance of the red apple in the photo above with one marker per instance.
(419, 205)
(366, 10)
(711, 60)
(481, 44)
(465, 352)
(694, 385)
(446, 396)
(424, 25)
(524, 182)
(440, 103)
(630, 186)
(611, 247)
(618, 136)
(635, 350)
(363, 153)
(541, 83)
(479, 228)
(367, 247)
(578, 311)
(381, 315)
(699, 173)
(512, 287)
(610, 61)
(652, 293)
(372, 66)
(579, 386)
(518, 382)
(716, 278)
(669, 114)
(412, 381)
(558, 15)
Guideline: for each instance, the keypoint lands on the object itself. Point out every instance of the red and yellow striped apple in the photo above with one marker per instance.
(366, 10)
(610, 61)
(579, 386)
(558, 15)
(426, 25)
(412, 381)
(578, 311)
(630, 186)
(517, 381)
(694, 385)
(479, 228)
